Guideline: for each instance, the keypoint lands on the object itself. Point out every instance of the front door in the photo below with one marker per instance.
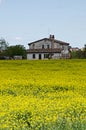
(39, 56)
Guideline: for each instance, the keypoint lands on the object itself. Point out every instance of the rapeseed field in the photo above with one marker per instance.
(43, 95)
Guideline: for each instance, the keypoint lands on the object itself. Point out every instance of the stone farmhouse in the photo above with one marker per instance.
(48, 48)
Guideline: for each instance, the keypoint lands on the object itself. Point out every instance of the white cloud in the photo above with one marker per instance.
(18, 38)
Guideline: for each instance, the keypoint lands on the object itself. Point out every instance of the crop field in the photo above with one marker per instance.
(43, 95)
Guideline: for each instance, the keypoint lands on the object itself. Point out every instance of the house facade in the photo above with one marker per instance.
(48, 48)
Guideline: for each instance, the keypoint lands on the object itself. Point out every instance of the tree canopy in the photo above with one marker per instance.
(3, 44)
(17, 50)
(80, 54)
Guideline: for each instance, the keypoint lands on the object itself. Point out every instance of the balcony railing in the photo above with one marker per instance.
(58, 50)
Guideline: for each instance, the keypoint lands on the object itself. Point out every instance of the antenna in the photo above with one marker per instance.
(49, 32)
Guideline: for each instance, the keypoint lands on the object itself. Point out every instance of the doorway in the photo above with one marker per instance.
(39, 56)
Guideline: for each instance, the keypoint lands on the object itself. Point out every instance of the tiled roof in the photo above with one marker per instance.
(57, 41)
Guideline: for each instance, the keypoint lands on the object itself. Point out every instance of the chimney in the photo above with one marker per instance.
(51, 37)
(52, 41)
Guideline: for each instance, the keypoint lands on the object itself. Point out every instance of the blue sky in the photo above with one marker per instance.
(24, 21)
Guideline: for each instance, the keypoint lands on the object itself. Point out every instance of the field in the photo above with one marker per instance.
(43, 95)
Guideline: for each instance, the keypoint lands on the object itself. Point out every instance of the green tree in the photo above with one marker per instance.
(85, 47)
(84, 51)
(3, 48)
(17, 50)
(3, 44)
(80, 54)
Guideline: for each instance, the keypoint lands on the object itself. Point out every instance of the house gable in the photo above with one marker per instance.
(47, 43)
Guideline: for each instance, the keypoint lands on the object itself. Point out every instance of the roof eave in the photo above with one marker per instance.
(57, 41)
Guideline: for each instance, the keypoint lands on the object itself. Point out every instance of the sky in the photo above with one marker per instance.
(25, 21)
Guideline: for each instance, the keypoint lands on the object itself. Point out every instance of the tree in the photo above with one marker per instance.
(85, 47)
(3, 45)
(17, 50)
(84, 53)
(3, 48)
(80, 54)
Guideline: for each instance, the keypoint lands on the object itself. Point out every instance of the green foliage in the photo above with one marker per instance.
(20, 119)
(80, 54)
(3, 48)
(3, 44)
(17, 50)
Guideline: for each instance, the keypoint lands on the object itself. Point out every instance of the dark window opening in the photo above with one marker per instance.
(46, 55)
(62, 47)
(48, 47)
(39, 56)
(42, 46)
(33, 56)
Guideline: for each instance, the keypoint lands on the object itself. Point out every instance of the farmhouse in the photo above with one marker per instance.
(48, 48)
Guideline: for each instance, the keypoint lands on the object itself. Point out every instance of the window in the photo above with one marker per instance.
(48, 47)
(40, 56)
(33, 46)
(62, 47)
(46, 55)
(58, 46)
(42, 46)
(33, 56)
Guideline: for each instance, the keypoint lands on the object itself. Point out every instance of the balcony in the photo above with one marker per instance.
(56, 50)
